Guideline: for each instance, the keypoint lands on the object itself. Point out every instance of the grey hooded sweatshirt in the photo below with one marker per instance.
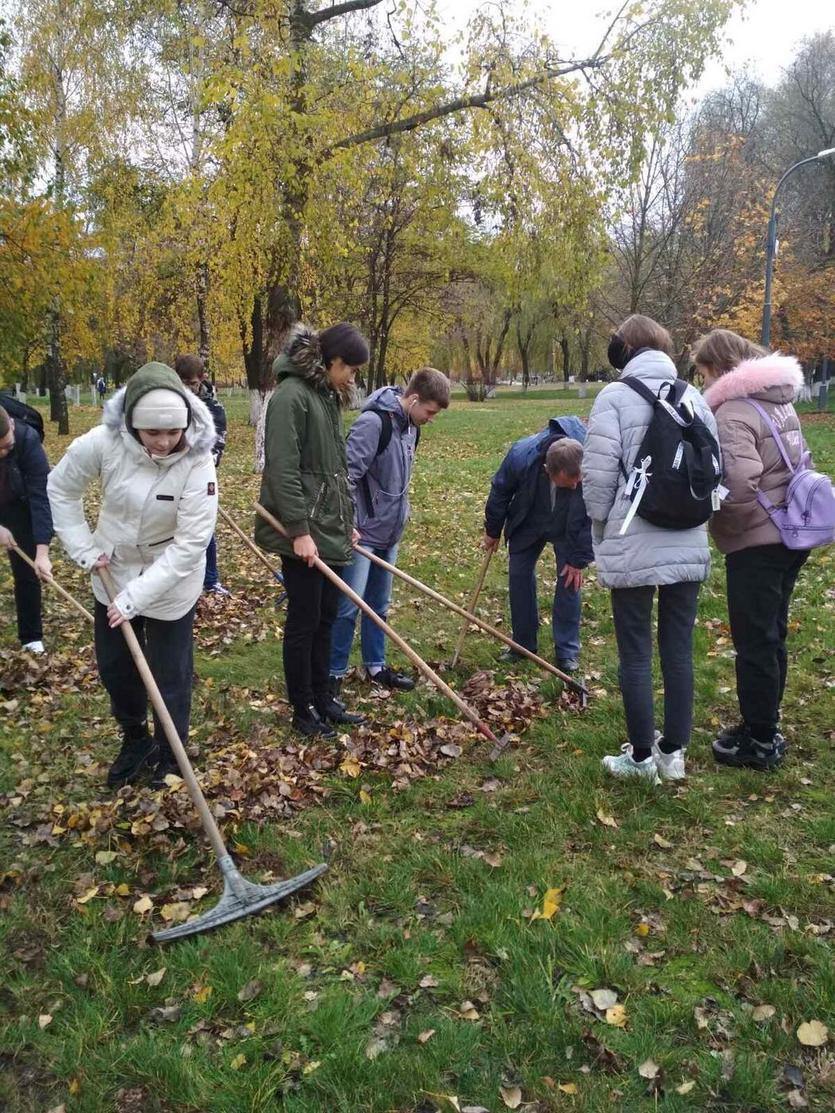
(380, 484)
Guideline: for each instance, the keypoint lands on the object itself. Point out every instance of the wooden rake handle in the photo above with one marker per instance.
(416, 660)
(250, 544)
(436, 595)
(71, 599)
(485, 564)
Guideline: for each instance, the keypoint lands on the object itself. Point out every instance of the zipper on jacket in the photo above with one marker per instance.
(317, 500)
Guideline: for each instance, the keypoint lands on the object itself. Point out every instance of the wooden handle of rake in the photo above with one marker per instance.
(250, 544)
(164, 716)
(472, 618)
(54, 583)
(485, 564)
(416, 660)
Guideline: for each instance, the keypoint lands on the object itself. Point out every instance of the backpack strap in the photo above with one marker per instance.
(640, 388)
(778, 440)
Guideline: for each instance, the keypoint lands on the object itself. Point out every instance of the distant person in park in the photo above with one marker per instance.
(25, 521)
(761, 571)
(101, 388)
(381, 454)
(152, 454)
(635, 558)
(536, 497)
(192, 372)
(305, 485)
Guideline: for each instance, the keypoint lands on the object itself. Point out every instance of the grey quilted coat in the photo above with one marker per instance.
(645, 554)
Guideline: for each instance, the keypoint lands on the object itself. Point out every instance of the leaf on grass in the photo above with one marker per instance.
(428, 981)
(606, 820)
(450, 749)
(202, 993)
(250, 991)
(550, 905)
(105, 857)
(468, 1011)
(350, 766)
(763, 1012)
(659, 840)
(685, 1087)
(143, 905)
(88, 895)
(365, 796)
(616, 1016)
(425, 1037)
(198, 892)
(511, 1096)
(493, 859)
(796, 1100)
(812, 1033)
(648, 1069)
(604, 999)
(156, 977)
(642, 930)
(43, 1020)
(176, 912)
(739, 868)
(567, 1087)
(238, 1061)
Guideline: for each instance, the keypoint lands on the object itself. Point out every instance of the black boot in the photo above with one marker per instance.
(167, 764)
(308, 721)
(334, 711)
(138, 752)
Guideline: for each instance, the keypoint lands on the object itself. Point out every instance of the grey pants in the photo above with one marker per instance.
(632, 612)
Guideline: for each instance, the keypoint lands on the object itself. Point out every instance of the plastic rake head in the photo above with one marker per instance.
(240, 898)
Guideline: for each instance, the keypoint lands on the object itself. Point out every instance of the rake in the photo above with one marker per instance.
(240, 897)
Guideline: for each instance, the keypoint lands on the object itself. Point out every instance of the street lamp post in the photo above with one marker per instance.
(771, 242)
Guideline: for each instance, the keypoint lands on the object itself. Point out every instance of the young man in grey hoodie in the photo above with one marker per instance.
(381, 453)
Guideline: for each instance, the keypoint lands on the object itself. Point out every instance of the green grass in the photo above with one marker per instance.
(411, 921)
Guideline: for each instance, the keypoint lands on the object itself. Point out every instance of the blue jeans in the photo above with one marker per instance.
(373, 583)
(210, 576)
(524, 610)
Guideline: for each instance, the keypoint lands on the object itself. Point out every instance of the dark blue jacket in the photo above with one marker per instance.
(207, 394)
(26, 469)
(513, 490)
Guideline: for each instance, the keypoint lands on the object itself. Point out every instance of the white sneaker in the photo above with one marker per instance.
(624, 765)
(34, 647)
(670, 766)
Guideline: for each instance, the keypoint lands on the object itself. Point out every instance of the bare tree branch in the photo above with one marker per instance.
(460, 104)
(313, 19)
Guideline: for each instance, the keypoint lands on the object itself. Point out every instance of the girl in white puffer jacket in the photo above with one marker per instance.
(152, 455)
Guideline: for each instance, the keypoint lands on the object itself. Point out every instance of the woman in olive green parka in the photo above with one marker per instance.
(305, 485)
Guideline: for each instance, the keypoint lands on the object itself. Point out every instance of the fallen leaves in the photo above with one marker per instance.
(606, 820)
(550, 905)
(143, 905)
(511, 1096)
(812, 1033)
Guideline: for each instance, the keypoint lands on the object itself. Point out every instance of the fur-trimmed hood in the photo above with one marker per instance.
(199, 435)
(773, 378)
(302, 356)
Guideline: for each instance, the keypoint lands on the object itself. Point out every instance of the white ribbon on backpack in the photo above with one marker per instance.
(637, 483)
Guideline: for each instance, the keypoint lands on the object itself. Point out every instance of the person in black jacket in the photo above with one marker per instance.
(537, 499)
(25, 521)
(192, 372)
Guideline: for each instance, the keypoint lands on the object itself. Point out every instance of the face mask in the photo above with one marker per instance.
(618, 353)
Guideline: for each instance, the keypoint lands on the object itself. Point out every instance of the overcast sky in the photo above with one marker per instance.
(762, 40)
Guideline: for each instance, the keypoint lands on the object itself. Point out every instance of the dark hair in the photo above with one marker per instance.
(430, 385)
(343, 341)
(639, 332)
(5, 423)
(189, 367)
(721, 350)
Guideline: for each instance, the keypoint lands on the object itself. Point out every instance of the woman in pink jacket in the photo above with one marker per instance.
(761, 570)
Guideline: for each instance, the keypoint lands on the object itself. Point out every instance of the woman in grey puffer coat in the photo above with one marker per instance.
(644, 558)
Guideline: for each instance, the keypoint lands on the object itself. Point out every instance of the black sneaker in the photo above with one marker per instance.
(744, 752)
(139, 752)
(568, 664)
(165, 766)
(509, 656)
(335, 711)
(308, 721)
(388, 678)
(729, 734)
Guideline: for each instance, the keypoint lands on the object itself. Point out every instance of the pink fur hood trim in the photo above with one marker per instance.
(753, 376)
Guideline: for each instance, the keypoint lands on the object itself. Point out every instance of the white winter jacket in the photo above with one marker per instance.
(645, 554)
(156, 516)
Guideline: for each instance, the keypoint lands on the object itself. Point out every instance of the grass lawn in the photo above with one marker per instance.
(523, 933)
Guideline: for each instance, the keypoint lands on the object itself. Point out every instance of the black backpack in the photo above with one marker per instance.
(382, 444)
(22, 412)
(673, 478)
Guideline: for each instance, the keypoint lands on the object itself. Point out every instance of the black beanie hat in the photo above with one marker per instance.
(345, 342)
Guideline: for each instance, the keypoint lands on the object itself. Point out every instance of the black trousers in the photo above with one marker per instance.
(312, 602)
(27, 587)
(169, 649)
(632, 613)
(760, 584)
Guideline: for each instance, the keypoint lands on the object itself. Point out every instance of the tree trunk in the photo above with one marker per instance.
(204, 349)
(566, 358)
